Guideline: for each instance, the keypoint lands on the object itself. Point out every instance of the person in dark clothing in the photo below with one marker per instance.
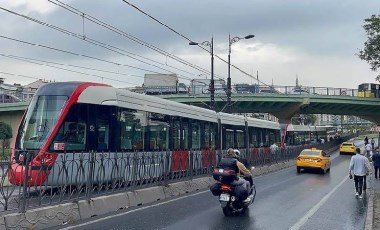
(231, 162)
(366, 140)
(376, 163)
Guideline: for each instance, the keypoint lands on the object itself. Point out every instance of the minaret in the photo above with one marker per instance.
(297, 80)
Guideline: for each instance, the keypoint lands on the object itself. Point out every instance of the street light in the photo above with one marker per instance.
(211, 86)
(229, 90)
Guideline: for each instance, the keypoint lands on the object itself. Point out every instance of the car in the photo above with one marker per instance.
(347, 147)
(313, 159)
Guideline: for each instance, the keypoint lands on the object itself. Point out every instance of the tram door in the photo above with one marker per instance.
(92, 111)
(99, 128)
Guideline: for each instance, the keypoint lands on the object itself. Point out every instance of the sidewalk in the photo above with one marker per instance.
(376, 203)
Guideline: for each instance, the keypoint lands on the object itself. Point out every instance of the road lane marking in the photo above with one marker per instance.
(134, 210)
(314, 209)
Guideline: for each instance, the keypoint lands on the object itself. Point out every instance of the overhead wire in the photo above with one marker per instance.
(92, 41)
(95, 42)
(188, 39)
(68, 70)
(46, 63)
(125, 34)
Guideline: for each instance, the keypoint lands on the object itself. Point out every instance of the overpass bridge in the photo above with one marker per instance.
(282, 105)
(285, 106)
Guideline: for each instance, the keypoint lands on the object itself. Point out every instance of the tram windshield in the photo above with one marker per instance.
(41, 116)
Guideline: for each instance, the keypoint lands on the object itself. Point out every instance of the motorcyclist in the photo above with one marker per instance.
(231, 162)
(245, 163)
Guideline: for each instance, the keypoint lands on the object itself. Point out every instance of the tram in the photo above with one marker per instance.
(305, 134)
(84, 117)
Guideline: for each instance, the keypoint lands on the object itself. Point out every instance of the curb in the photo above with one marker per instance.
(368, 224)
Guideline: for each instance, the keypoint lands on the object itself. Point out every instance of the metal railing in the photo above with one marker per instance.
(82, 176)
(11, 96)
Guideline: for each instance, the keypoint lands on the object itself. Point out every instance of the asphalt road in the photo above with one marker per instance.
(285, 200)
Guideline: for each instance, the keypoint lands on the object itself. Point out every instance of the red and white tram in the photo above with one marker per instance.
(83, 117)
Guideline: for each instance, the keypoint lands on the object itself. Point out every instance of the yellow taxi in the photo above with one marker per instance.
(313, 159)
(347, 147)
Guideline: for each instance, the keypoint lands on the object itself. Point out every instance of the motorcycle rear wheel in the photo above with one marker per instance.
(227, 211)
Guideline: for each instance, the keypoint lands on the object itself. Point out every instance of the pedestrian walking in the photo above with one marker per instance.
(368, 150)
(366, 140)
(376, 163)
(359, 168)
(373, 143)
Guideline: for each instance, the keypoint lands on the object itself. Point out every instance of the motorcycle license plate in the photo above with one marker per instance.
(224, 197)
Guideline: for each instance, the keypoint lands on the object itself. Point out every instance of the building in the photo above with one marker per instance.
(16, 93)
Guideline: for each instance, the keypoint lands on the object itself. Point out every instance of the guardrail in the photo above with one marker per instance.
(82, 176)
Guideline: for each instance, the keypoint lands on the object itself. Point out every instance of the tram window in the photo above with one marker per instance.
(176, 135)
(132, 129)
(213, 135)
(266, 139)
(158, 131)
(72, 134)
(229, 138)
(196, 136)
(103, 134)
(159, 136)
(253, 138)
(103, 116)
(207, 135)
(185, 135)
(240, 138)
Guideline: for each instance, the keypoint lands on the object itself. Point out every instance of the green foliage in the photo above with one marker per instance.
(371, 51)
(305, 119)
(5, 131)
(310, 119)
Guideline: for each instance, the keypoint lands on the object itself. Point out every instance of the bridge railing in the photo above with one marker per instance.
(81, 176)
(294, 90)
(11, 96)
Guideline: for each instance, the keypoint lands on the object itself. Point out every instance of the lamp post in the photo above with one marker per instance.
(229, 90)
(212, 85)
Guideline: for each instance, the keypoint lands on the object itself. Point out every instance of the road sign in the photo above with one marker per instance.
(377, 128)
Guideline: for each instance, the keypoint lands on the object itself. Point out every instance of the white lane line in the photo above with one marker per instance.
(314, 209)
(135, 210)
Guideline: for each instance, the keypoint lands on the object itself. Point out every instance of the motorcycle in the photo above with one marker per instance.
(228, 199)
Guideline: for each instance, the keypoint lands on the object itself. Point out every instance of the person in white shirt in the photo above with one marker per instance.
(359, 166)
(368, 149)
(273, 148)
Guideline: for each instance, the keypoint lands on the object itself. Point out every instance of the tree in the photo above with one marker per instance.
(310, 119)
(5, 133)
(371, 52)
(304, 119)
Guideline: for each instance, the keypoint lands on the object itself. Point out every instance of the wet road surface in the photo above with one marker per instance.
(285, 200)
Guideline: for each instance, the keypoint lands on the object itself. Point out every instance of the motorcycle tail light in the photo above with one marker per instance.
(225, 187)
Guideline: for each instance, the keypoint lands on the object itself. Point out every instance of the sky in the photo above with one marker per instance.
(116, 44)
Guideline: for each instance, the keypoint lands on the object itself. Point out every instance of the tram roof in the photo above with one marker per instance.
(123, 98)
(260, 123)
(231, 119)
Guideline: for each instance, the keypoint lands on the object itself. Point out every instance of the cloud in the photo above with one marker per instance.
(315, 40)
(30, 7)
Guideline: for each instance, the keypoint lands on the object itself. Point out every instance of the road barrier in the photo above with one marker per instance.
(134, 179)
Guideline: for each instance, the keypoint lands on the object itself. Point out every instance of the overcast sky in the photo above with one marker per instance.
(314, 40)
